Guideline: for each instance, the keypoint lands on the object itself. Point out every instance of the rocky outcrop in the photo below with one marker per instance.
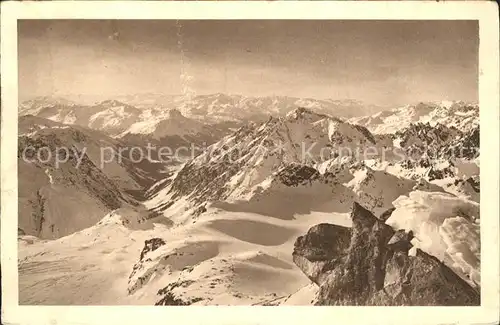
(466, 146)
(170, 299)
(320, 249)
(387, 214)
(474, 182)
(151, 245)
(370, 264)
(439, 141)
(295, 175)
(425, 135)
(144, 269)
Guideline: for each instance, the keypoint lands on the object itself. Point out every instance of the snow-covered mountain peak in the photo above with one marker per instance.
(305, 114)
(459, 114)
(112, 103)
(240, 165)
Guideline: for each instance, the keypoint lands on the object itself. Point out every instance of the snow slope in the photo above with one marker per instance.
(224, 258)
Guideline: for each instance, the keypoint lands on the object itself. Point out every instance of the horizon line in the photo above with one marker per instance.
(73, 98)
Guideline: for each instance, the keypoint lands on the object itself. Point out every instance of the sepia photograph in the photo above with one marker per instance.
(249, 162)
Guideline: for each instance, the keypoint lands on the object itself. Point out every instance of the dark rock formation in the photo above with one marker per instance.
(320, 249)
(466, 146)
(400, 241)
(141, 274)
(427, 134)
(387, 214)
(294, 175)
(169, 298)
(474, 182)
(366, 133)
(369, 265)
(151, 245)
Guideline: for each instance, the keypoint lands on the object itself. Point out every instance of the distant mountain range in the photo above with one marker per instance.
(117, 113)
(203, 119)
(458, 114)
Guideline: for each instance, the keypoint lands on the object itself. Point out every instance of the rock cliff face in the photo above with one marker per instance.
(321, 250)
(370, 264)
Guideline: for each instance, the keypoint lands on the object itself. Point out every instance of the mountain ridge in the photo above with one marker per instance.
(220, 227)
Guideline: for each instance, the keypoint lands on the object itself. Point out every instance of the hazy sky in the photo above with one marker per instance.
(381, 62)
